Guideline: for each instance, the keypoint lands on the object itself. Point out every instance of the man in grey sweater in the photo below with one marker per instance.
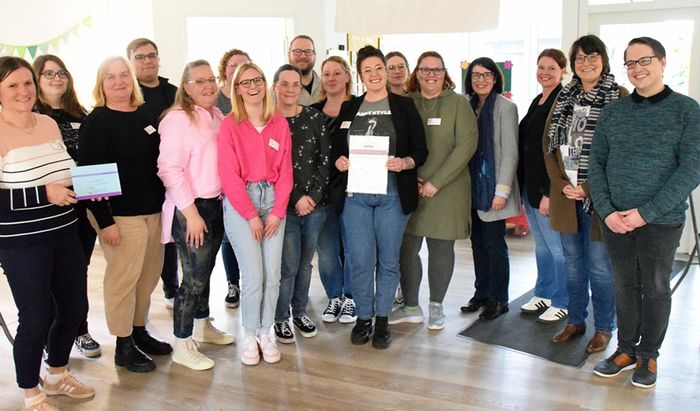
(644, 165)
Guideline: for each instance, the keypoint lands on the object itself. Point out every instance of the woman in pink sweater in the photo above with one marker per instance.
(255, 167)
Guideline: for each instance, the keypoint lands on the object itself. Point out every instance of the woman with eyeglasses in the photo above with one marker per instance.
(305, 213)
(227, 66)
(495, 194)
(550, 300)
(397, 67)
(336, 88)
(121, 130)
(56, 97)
(443, 186)
(192, 213)
(567, 143)
(373, 224)
(40, 251)
(255, 167)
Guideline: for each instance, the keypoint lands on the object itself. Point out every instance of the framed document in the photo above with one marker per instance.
(100, 180)
(368, 156)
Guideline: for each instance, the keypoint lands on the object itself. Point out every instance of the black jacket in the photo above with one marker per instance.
(410, 142)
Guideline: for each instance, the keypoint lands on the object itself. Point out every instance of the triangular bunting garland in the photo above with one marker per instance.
(43, 47)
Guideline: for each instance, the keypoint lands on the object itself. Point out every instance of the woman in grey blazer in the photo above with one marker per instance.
(495, 193)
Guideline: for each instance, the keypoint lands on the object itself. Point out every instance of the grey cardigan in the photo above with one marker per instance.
(505, 150)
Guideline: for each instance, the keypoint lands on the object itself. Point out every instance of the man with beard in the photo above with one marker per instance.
(302, 55)
(158, 95)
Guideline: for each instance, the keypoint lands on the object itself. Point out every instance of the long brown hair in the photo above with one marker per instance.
(69, 100)
(412, 82)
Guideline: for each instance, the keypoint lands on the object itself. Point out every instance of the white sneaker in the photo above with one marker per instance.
(553, 314)
(250, 354)
(170, 303)
(332, 311)
(268, 346)
(347, 312)
(205, 332)
(406, 315)
(436, 317)
(185, 353)
(535, 305)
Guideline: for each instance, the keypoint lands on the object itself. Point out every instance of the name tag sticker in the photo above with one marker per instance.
(274, 144)
(433, 121)
(75, 126)
(345, 125)
(150, 130)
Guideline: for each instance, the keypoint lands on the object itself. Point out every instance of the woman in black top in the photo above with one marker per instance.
(550, 288)
(373, 224)
(121, 130)
(56, 97)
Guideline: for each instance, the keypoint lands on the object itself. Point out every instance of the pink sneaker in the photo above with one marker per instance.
(268, 346)
(249, 350)
(70, 387)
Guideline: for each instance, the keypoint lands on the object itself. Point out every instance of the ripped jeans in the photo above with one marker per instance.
(192, 299)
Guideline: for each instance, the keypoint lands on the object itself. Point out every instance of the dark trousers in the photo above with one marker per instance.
(87, 236)
(169, 272)
(233, 271)
(192, 299)
(490, 253)
(48, 281)
(441, 264)
(642, 263)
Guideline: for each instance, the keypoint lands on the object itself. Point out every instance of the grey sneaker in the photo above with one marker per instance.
(436, 318)
(406, 314)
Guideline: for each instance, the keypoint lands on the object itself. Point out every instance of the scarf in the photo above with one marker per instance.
(483, 165)
(605, 91)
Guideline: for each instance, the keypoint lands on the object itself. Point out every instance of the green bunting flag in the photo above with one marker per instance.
(43, 47)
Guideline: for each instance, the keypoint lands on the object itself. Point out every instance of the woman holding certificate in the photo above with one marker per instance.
(40, 251)
(255, 167)
(495, 194)
(192, 215)
(378, 145)
(121, 130)
(444, 187)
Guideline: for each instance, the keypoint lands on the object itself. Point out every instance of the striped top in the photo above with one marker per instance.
(28, 162)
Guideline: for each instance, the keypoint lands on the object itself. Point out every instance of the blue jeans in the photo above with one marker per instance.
(373, 225)
(259, 261)
(192, 299)
(549, 255)
(587, 262)
(334, 275)
(233, 272)
(300, 237)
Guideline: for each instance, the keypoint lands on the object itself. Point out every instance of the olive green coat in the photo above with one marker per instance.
(451, 144)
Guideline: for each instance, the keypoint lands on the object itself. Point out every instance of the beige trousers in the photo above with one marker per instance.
(132, 273)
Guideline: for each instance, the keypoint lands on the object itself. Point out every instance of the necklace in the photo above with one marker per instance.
(422, 103)
(27, 130)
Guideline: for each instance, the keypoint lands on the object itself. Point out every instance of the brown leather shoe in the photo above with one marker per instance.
(599, 342)
(569, 332)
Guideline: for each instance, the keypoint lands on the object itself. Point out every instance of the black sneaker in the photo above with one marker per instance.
(283, 332)
(361, 332)
(305, 326)
(233, 298)
(332, 311)
(645, 374)
(614, 365)
(382, 336)
(347, 312)
(87, 346)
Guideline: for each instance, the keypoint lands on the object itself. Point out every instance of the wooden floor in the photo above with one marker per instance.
(421, 370)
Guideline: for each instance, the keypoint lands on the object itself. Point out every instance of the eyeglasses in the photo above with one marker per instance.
(592, 58)
(397, 67)
(246, 83)
(486, 76)
(377, 69)
(149, 56)
(435, 70)
(306, 52)
(284, 84)
(201, 82)
(62, 74)
(644, 61)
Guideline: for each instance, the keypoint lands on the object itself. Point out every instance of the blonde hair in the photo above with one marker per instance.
(346, 68)
(183, 101)
(238, 110)
(98, 93)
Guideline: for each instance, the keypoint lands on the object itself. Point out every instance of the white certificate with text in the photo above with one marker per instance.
(368, 156)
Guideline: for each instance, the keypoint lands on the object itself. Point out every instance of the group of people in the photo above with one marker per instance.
(261, 170)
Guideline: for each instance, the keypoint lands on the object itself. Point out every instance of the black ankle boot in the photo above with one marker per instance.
(382, 336)
(361, 332)
(149, 344)
(128, 355)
